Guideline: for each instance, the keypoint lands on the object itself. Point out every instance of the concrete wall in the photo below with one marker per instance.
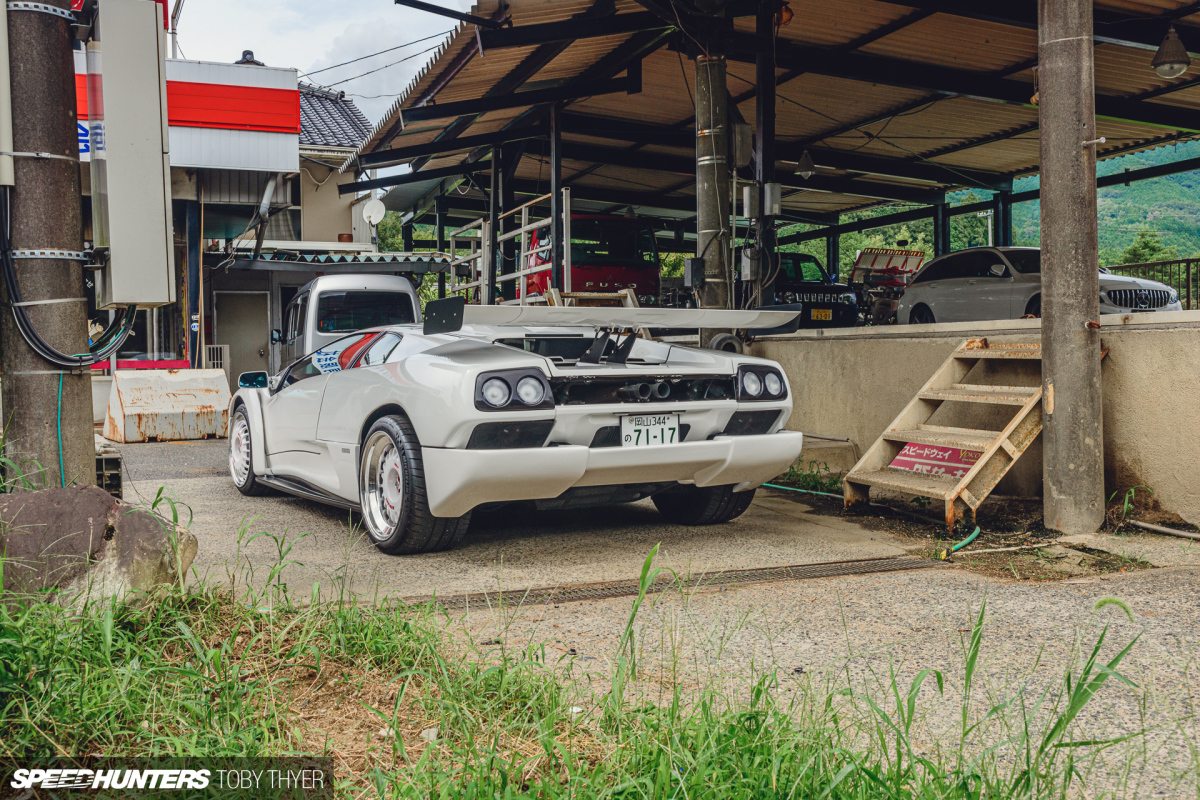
(323, 214)
(852, 383)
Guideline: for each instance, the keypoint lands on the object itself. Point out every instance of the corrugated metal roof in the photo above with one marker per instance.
(869, 117)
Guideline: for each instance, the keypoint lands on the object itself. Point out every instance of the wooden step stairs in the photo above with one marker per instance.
(961, 489)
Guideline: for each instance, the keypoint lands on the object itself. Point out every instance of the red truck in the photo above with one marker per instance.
(608, 253)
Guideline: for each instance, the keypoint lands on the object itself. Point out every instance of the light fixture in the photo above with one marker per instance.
(805, 168)
(1172, 59)
(784, 15)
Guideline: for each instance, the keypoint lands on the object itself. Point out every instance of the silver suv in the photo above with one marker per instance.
(984, 283)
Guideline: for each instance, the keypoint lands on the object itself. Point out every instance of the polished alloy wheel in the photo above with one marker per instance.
(239, 450)
(382, 486)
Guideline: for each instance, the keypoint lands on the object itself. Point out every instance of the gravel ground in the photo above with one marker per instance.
(843, 632)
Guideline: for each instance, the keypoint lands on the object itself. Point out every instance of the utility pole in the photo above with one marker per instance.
(44, 403)
(712, 183)
(1073, 434)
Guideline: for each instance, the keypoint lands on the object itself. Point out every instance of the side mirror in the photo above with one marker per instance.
(997, 270)
(276, 336)
(253, 380)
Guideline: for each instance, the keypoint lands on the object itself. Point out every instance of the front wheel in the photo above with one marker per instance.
(1034, 308)
(395, 506)
(241, 464)
(709, 505)
(921, 315)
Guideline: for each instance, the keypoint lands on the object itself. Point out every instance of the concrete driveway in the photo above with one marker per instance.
(506, 549)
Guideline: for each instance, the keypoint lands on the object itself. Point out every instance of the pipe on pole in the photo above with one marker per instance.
(556, 198)
(712, 183)
(48, 409)
(439, 211)
(1073, 434)
(764, 77)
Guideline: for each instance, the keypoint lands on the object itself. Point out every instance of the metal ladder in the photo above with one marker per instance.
(998, 450)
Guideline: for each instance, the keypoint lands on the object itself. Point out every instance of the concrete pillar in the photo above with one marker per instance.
(47, 407)
(712, 183)
(1073, 454)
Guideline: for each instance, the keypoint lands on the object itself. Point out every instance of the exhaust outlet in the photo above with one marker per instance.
(662, 390)
(636, 391)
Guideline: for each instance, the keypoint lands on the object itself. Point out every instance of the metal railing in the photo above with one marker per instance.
(470, 246)
(1181, 274)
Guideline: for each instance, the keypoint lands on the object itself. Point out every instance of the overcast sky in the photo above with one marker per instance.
(311, 34)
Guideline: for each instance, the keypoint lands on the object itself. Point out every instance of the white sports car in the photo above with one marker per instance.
(418, 426)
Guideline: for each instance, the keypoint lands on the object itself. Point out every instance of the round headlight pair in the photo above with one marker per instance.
(497, 394)
(753, 385)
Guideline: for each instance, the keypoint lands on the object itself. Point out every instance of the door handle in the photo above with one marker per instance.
(972, 283)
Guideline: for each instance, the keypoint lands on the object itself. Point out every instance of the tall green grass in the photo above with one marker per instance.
(214, 672)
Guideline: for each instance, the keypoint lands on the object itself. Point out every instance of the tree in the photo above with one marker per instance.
(1147, 246)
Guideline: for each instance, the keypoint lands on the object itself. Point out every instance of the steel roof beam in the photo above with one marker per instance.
(922, 170)
(1115, 27)
(569, 30)
(962, 83)
(413, 177)
(398, 155)
(482, 22)
(631, 84)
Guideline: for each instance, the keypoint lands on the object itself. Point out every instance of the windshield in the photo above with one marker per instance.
(344, 312)
(1026, 262)
(611, 242)
(796, 267)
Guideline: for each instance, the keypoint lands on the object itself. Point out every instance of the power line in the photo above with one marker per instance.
(372, 55)
(385, 66)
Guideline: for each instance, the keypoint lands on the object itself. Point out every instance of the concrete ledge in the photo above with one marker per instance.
(997, 327)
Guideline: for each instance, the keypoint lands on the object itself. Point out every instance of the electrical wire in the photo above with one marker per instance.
(62, 471)
(118, 332)
(372, 55)
(385, 66)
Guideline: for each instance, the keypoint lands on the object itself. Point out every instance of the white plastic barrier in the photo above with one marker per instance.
(167, 404)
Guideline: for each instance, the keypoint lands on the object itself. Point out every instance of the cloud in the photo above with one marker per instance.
(311, 34)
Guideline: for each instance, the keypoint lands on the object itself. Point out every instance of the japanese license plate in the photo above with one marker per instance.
(825, 314)
(649, 429)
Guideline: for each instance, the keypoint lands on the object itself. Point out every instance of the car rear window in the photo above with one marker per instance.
(344, 312)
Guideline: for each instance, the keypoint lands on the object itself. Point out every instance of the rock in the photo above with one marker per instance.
(82, 545)
(429, 734)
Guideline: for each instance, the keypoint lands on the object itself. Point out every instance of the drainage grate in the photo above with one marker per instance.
(598, 591)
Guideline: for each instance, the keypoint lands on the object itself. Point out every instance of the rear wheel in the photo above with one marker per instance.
(395, 506)
(241, 463)
(921, 315)
(708, 505)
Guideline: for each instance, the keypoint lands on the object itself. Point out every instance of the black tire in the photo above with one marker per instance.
(921, 315)
(398, 521)
(1034, 307)
(710, 505)
(241, 465)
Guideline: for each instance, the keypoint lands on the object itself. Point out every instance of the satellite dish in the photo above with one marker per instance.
(373, 211)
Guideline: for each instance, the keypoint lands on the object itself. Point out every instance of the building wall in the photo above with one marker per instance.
(323, 214)
(853, 383)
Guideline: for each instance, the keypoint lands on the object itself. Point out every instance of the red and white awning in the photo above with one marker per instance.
(221, 116)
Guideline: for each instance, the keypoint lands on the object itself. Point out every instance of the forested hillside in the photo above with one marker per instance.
(1148, 220)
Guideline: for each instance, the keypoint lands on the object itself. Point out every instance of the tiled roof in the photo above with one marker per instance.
(328, 119)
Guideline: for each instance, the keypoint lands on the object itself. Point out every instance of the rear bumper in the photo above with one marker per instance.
(458, 480)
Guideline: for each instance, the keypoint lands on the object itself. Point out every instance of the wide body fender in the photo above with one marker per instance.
(252, 400)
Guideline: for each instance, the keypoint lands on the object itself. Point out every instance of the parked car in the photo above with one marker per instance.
(984, 283)
(327, 308)
(418, 426)
(802, 285)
